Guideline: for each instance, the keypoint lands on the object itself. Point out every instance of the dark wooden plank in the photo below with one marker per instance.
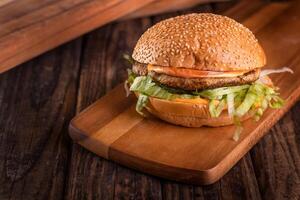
(133, 185)
(102, 69)
(172, 190)
(239, 183)
(36, 103)
(277, 160)
(95, 80)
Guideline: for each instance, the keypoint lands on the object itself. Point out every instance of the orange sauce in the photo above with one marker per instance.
(193, 101)
(193, 73)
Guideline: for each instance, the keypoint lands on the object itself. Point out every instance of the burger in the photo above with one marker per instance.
(201, 70)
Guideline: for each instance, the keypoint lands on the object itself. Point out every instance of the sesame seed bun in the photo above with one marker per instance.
(200, 41)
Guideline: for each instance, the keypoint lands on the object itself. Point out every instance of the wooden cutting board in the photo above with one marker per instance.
(112, 129)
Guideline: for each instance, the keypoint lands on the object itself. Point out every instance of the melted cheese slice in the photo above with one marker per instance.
(192, 101)
(193, 73)
(181, 100)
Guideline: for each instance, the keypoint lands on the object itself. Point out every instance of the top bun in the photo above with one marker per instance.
(200, 41)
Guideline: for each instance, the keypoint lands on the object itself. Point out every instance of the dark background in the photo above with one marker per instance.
(38, 160)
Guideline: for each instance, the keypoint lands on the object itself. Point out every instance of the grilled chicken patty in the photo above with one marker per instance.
(196, 83)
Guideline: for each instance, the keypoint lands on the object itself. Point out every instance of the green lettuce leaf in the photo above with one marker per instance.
(276, 102)
(216, 107)
(131, 76)
(141, 103)
(219, 92)
(246, 104)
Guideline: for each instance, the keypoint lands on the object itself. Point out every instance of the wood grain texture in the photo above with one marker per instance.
(49, 174)
(278, 172)
(97, 77)
(158, 7)
(265, 15)
(24, 36)
(5, 2)
(244, 9)
(36, 103)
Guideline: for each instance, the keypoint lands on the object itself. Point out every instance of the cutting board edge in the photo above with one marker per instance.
(162, 170)
(97, 147)
(75, 132)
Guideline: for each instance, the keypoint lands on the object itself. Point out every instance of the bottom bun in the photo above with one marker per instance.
(188, 114)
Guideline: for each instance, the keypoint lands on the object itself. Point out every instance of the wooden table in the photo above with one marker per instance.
(38, 160)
